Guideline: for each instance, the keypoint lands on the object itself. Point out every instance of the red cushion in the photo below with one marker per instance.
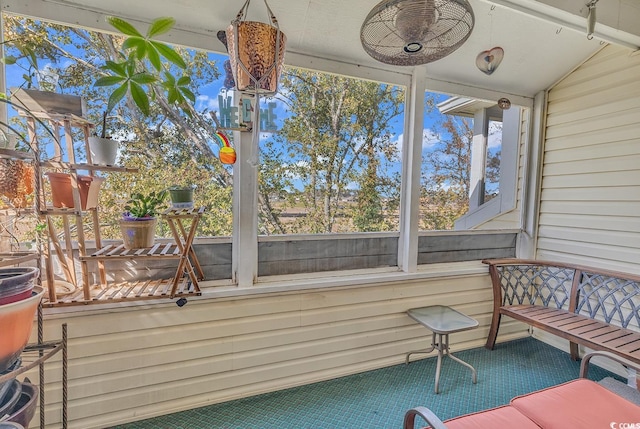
(504, 417)
(577, 404)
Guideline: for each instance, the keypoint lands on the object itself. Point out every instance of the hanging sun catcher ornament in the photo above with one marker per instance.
(489, 60)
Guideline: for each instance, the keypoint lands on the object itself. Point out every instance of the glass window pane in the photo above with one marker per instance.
(334, 164)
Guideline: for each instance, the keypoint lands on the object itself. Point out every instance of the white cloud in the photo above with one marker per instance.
(430, 138)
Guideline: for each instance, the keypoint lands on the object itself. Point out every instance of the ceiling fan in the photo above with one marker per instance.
(413, 32)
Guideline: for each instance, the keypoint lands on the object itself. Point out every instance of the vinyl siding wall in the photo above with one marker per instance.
(131, 363)
(590, 197)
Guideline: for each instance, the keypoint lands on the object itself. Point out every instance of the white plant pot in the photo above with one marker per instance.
(103, 151)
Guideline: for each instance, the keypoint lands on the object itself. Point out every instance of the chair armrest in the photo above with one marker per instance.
(426, 414)
(584, 365)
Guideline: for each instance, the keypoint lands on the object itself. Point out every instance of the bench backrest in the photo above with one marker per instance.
(610, 296)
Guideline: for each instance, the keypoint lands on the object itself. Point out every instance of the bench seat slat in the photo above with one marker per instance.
(631, 347)
(574, 325)
(595, 328)
(580, 329)
(623, 340)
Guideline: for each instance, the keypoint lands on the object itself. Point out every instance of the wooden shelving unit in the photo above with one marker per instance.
(65, 116)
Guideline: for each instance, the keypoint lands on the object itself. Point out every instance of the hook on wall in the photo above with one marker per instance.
(591, 18)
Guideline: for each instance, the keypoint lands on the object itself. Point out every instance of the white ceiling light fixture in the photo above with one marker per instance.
(414, 32)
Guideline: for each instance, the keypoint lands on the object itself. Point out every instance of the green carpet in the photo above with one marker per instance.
(378, 399)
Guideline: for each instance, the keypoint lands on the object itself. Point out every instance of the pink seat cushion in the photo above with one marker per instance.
(577, 404)
(504, 417)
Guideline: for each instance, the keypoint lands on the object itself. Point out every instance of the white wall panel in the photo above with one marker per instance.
(133, 363)
(590, 199)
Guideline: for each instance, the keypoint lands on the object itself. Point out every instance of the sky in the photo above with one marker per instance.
(210, 95)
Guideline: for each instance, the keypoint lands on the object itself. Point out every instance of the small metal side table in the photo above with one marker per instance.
(442, 321)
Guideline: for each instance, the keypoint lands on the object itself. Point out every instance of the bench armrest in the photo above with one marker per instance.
(426, 414)
(584, 365)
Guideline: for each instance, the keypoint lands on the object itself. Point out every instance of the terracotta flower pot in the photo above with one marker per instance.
(62, 194)
(16, 320)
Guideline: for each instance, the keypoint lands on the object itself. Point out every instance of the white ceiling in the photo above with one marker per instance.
(537, 52)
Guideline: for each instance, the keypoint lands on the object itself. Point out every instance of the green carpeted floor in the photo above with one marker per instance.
(378, 399)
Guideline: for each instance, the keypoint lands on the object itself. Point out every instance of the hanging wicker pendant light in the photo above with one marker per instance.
(256, 51)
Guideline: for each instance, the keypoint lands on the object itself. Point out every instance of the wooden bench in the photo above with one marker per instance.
(596, 308)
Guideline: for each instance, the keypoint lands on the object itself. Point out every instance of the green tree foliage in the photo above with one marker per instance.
(446, 173)
(172, 145)
(327, 165)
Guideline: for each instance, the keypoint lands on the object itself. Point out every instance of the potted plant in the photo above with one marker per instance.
(138, 223)
(181, 196)
(103, 149)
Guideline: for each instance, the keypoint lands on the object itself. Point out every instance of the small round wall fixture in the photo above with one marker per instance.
(504, 103)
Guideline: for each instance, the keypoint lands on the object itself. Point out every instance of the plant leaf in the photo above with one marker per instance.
(170, 54)
(109, 80)
(143, 78)
(133, 42)
(139, 97)
(116, 96)
(123, 26)
(9, 60)
(154, 57)
(117, 68)
(160, 26)
(188, 93)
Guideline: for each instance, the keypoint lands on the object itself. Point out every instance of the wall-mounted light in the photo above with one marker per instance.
(504, 103)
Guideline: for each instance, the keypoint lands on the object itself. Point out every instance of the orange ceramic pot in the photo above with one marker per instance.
(16, 320)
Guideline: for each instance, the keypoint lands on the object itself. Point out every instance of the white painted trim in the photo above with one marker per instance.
(480, 214)
(60, 11)
(469, 91)
(377, 74)
(511, 134)
(573, 21)
(3, 82)
(477, 175)
(506, 200)
(280, 285)
(411, 166)
(244, 260)
(532, 180)
(67, 13)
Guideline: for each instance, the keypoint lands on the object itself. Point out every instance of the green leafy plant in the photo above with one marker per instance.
(145, 206)
(133, 75)
(31, 68)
